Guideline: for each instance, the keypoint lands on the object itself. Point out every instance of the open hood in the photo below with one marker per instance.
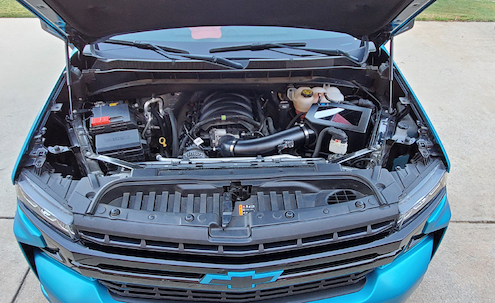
(88, 21)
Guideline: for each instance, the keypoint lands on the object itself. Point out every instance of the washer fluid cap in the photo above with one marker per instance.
(334, 94)
(319, 94)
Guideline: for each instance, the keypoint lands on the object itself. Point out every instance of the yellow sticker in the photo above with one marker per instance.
(113, 104)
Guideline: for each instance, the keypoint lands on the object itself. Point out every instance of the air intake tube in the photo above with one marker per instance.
(231, 147)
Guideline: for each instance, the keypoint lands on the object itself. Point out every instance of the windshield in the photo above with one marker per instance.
(200, 40)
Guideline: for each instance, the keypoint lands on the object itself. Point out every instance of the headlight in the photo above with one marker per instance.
(422, 194)
(45, 207)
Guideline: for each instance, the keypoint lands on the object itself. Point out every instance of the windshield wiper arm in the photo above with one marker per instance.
(295, 45)
(217, 60)
(256, 47)
(330, 52)
(163, 50)
(145, 45)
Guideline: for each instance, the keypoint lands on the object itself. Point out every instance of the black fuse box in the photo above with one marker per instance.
(126, 145)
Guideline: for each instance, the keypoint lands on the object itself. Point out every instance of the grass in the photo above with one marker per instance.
(460, 10)
(442, 10)
(12, 9)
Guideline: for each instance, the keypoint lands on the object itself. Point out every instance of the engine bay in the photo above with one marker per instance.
(213, 124)
(344, 124)
(205, 125)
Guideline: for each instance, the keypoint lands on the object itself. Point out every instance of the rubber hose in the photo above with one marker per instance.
(271, 128)
(231, 146)
(162, 129)
(294, 120)
(158, 120)
(175, 135)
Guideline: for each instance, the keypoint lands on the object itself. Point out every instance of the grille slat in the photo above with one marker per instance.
(164, 201)
(151, 201)
(164, 293)
(190, 204)
(138, 199)
(299, 199)
(216, 203)
(261, 201)
(286, 196)
(202, 204)
(274, 201)
(363, 232)
(177, 200)
(125, 200)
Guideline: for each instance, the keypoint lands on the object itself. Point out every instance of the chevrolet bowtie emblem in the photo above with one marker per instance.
(241, 280)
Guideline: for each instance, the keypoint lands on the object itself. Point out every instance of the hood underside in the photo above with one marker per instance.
(89, 21)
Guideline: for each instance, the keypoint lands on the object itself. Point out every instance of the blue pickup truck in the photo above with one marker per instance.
(230, 151)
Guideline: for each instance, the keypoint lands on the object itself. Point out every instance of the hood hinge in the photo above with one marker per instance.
(74, 38)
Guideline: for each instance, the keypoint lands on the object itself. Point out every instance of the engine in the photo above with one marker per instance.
(218, 115)
(304, 121)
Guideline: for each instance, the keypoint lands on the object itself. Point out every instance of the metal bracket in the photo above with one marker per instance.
(38, 156)
(404, 100)
(57, 149)
(287, 144)
(56, 107)
(79, 140)
(113, 161)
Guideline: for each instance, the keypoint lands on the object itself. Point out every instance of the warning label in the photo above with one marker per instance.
(244, 209)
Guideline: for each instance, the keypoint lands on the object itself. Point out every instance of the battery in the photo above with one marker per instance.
(111, 117)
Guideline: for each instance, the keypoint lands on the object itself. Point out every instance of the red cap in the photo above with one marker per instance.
(100, 121)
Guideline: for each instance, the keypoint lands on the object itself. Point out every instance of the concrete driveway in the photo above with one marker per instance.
(451, 67)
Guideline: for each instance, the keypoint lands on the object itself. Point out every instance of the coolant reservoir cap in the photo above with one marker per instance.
(307, 93)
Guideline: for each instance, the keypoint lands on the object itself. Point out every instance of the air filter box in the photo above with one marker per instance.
(354, 120)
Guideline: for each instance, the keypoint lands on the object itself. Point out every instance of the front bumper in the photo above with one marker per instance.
(393, 282)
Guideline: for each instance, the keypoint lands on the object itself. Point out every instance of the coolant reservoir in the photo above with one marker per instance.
(333, 93)
(302, 98)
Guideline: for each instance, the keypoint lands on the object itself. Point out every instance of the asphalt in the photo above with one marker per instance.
(451, 68)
